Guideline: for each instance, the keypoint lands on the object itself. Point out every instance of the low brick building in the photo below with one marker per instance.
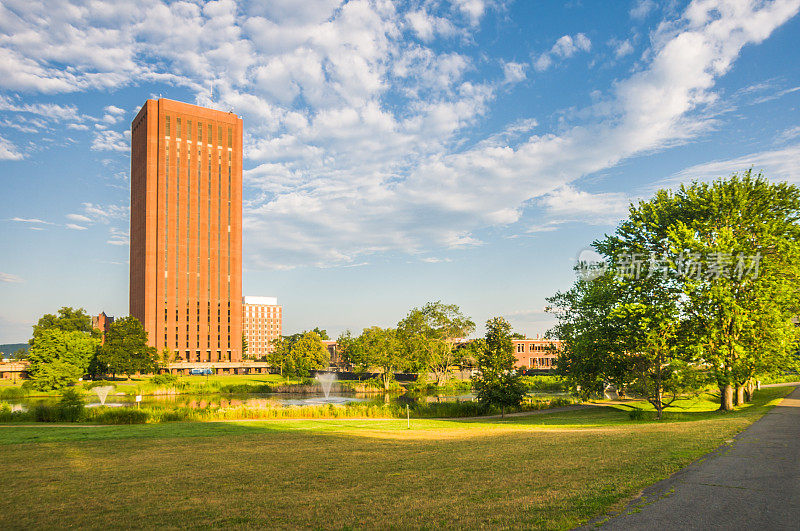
(536, 353)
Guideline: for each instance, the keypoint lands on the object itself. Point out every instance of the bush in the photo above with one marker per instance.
(543, 383)
(6, 415)
(164, 379)
(13, 392)
(70, 407)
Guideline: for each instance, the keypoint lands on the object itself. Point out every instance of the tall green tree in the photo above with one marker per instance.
(593, 347)
(307, 353)
(427, 334)
(59, 358)
(298, 354)
(731, 250)
(125, 350)
(497, 382)
(376, 348)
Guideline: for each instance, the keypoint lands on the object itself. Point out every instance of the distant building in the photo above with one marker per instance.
(103, 323)
(536, 353)
(262, 322)
(337, 360)
(186, 229)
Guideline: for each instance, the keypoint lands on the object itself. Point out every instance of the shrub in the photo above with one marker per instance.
(70, 407)
(6, 415)
(543, 383)
(45, 413)
(164, 379)
(13, 392)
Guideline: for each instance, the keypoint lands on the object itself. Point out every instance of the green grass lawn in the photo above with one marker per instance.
(542, 471)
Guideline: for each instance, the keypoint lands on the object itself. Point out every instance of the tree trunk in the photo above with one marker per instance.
(726, 398)
(750, 390)
(740, 395)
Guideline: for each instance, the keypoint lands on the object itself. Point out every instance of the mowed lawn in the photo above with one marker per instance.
(551, 470)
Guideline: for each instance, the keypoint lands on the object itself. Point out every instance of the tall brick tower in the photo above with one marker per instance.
(186, 229)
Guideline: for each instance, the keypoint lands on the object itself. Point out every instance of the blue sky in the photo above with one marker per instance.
(395, 153)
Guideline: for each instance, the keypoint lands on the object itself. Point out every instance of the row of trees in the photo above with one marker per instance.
(698, 287)
(422, 342)
(65, 347)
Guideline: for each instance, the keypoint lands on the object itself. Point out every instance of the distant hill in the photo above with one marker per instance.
(9, 348)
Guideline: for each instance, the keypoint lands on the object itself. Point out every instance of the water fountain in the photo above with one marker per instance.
(102, 393)
(326, 381)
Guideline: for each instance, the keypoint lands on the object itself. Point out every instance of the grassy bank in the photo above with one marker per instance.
(544, 471)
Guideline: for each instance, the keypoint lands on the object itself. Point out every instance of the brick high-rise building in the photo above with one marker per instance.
(186, 229)
(262, 322)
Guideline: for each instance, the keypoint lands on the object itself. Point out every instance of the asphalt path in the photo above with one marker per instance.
(752, 482)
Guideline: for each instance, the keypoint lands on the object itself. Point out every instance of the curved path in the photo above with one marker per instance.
(751, 483)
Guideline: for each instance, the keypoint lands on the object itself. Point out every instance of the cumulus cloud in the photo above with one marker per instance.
(108, 140)
(564, 48)
(360, 137)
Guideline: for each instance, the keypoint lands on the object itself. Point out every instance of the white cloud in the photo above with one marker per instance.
(8, 151)
(73, 226)
(8, 277)
(777, 165)
(472, 9)
(359, 132)
(426, 26)
(108, 140)
(513, 72)
(104, 213)
(564, 48)
(641, 8)
(117, 237)
(623, 48)
(51, 111)
(79, 217)
(35, 221)
(568, 204)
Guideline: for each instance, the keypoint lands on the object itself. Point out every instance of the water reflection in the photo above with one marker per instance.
(260, 401)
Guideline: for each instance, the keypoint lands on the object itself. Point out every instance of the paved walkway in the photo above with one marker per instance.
(753, 482)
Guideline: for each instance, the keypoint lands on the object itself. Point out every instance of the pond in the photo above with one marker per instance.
(257, 400)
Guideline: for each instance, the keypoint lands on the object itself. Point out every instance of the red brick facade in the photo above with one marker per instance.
(186, 229)
(536, 353)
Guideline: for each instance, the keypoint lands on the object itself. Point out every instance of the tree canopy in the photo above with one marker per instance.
(59, 358)
(298, 354)
(427, 336)
(706, 277)
(125, 350)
